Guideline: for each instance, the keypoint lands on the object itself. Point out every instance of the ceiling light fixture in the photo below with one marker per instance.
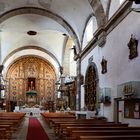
(135, 5)
(31, 32)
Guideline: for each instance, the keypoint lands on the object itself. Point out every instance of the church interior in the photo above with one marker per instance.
(69, 65)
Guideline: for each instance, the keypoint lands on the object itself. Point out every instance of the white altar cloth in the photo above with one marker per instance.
(87, 114)
(35, 111)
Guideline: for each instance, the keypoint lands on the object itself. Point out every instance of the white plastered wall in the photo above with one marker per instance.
(119, 68)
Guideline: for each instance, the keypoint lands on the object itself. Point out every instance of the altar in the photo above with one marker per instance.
(85, 114)
(35, 111)
(31, 98)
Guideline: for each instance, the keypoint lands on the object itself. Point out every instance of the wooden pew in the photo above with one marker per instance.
(58, 125)
(48, 117)
(3, 133)
(62, 129)
(51, 121)
(9, 129)
(77, 128)
(10, 121)
(57, 122)
(70, 129)
(77, 134)
(123, 137)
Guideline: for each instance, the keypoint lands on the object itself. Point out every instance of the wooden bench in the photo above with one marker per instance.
(10, 121)
(61, 131)
(123, 137)
(48, 117)
(61, 125)
(3, 133)
(77, 134)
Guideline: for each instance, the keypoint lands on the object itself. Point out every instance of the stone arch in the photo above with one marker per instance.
(28, 69)
(40, 53)
(32, 47)
(43, 12)
(99, 12)
(91, 86)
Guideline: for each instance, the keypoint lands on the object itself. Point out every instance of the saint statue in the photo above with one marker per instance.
(104, 65)
(132, 45)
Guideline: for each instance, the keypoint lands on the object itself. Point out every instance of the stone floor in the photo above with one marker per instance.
(23, 129)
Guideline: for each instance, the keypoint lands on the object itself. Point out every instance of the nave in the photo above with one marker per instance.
(70, 55)
(63, 126)
(22, 132)
(68, 126)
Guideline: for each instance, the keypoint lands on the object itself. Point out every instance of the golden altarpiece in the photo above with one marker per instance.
(91, 82)
(30, 81)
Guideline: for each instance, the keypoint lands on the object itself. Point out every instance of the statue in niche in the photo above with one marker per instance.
(104, 65)
(61, 70)
(31, 84)
(31, 70)
(132, 45)
(74, 49)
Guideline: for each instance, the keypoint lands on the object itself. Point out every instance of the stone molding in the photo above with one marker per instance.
(99, 38)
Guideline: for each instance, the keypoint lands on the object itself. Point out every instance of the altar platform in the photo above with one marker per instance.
(85, 114)
(35, 111)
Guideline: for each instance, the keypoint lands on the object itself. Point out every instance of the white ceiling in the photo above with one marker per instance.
(49, 31)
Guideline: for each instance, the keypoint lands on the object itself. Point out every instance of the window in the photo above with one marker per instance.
(121, 1)
(90, 29)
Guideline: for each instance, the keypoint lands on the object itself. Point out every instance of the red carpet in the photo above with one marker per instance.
(35, 130)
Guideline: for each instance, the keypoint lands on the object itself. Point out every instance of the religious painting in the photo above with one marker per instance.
(104, 65)
(136, 110)
(136, 115)
(132, 45)
(136, 106)
(126, 112)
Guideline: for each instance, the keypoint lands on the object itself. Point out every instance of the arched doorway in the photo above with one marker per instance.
(31, 82)
(91, 84)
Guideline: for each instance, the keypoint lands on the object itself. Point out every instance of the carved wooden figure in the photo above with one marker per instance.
(104, 65)
(132, 45)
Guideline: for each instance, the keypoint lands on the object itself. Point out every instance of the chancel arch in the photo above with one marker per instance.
(31, 81)
(91, 87)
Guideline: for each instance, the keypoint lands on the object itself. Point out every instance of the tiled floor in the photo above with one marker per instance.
(23, 129)
(21, 133)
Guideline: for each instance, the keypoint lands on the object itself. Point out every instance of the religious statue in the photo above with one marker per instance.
(31, 85)
(61, 70)
(74, 49)
(132, 45)
(104, 65)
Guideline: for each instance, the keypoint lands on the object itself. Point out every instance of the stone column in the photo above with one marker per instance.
(0, 61)
(0, 48)
(78, 105)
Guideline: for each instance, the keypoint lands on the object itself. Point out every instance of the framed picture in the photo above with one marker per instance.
(136, 107)
(126, 112)
(136, 115)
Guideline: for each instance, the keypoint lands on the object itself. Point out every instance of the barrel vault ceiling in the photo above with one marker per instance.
(52, 22)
